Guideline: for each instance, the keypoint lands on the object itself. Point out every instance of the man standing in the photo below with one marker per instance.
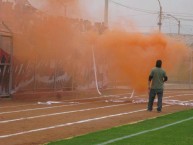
(156, 81)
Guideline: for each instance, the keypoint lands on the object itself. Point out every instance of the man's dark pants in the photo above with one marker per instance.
(152, 94)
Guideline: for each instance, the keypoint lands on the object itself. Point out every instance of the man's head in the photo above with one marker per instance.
(159, 63)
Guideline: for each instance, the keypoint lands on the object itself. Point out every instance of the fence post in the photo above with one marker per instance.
(190, 77)
(55, 69)
(11, 68)
(35, 73)
(72, 89)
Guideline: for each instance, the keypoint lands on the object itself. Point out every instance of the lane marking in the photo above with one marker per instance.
(73, 123)
(81, 110)
(89, 98)
(138, 99)
(67, 101)
(43, 108)
(59, 106)
(145, 131)
(31, 104)
(59, 113)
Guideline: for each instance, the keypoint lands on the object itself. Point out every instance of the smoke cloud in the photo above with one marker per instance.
(121, 56)
(133, 55)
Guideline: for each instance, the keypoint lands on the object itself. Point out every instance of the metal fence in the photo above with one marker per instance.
(51, 75)
(43, 74)
(6, 53)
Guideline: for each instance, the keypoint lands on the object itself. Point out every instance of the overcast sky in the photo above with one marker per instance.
(141, 15)
(145, 21)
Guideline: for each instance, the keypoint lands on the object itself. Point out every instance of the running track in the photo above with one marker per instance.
(37, 123)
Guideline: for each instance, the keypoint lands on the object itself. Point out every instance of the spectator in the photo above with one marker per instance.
(157, 78)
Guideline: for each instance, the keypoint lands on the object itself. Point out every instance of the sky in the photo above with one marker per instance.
(138, 15)
(148, 21)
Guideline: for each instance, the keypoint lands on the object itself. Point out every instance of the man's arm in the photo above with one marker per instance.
(149, 81)
(165, 78)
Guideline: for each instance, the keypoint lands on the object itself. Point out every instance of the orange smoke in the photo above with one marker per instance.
(124, 56)
(133, 55)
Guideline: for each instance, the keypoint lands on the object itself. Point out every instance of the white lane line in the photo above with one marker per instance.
(178, 91)
(145, 131)
(72, 123)
(60, 113)
(67, 101)
(59, 106)
(167, 94)
(43, 108)
(89, 98)
(164, 98)
(116, 95)
(74, 111)
(174, 96)
(32, 104)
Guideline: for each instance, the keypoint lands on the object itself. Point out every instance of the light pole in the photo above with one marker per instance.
(177, 21)
(160, 17)
(106, 13)
(190, 75)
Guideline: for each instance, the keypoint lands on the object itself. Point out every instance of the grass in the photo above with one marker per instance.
(178, 134)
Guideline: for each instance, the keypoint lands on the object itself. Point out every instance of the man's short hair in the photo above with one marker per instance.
(159, 63)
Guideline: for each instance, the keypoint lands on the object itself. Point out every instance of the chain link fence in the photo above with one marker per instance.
(6, 51)
(85, 72)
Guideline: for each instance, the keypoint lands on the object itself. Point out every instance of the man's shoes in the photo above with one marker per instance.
(149, 110)
(159, 111)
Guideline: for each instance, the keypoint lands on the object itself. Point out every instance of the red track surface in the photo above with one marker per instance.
(24, 123)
